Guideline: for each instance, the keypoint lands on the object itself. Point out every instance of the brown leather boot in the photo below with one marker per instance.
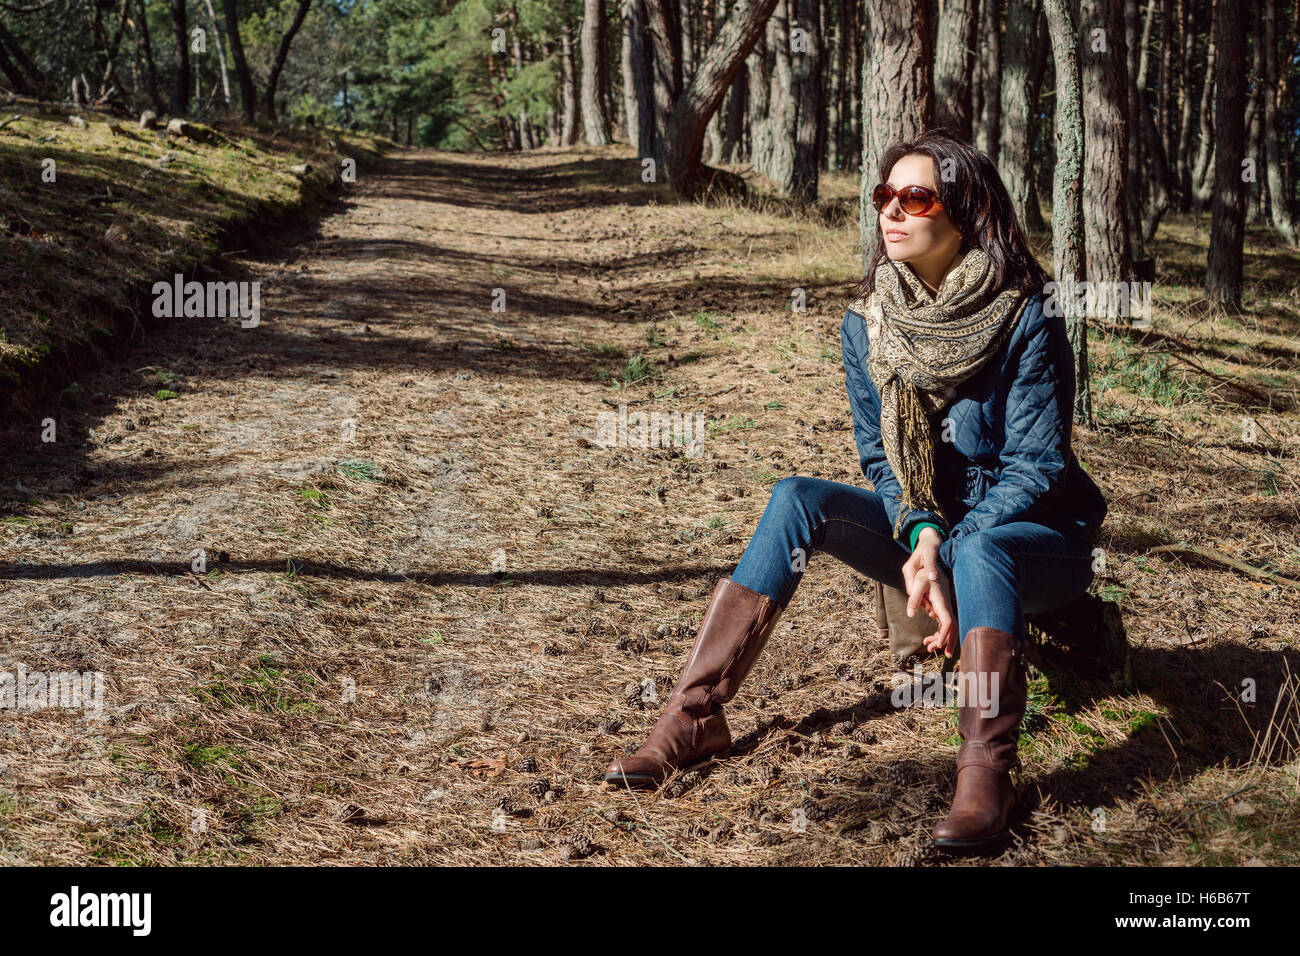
(691, 726)
(985, 796)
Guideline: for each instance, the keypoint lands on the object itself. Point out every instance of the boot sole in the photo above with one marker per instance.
(644, 781)
(970, 843)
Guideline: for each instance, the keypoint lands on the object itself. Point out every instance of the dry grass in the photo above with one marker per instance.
(123, 210)
(497, 589)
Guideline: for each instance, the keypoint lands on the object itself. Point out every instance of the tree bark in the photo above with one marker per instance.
(713, 132)
(1043, 49)
(221, 52)
(954, 62)
(1135, 182)
(1165, 98)
(759, 93)
(21, 72)
(991, 128)
(1279, 194)
(806, 74)
(1203, 172)
(1256, 191)
(595, 121)
(1182, 164)
(1158, 182)
(642, 70)
(1069, 258)
(691, 112)
(665, 31)
(1227, 227)
(247, 94)
(569, 86)
(782, 112)
(1105, 114)
(181, 58)
(1015, 157)
(897, 94)
(273, 81)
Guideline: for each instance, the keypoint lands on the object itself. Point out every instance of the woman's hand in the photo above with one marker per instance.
(928, 589)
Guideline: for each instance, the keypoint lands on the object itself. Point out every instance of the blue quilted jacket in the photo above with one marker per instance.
(1009, 457)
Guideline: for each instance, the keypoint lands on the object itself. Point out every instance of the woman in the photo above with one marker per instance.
(961, 386)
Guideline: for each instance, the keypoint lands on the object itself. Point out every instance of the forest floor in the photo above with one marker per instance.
(364, 586)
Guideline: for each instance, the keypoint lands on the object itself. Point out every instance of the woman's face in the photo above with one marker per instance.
(928, 241)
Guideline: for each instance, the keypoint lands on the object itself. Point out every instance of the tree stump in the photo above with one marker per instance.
(1085, 638)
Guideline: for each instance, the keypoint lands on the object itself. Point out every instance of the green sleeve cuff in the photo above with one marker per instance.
(916, 531)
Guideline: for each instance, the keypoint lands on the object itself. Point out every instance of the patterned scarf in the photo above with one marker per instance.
(922, 347)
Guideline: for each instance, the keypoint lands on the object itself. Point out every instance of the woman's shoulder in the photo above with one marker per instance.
(1034, 317)
(861, 315)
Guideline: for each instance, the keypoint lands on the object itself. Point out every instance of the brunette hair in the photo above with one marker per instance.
(977, 202)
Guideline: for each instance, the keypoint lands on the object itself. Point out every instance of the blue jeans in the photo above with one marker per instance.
(998, 574)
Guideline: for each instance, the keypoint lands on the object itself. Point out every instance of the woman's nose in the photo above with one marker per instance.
(893, 210)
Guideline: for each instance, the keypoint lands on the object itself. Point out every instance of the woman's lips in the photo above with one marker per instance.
(895, 235)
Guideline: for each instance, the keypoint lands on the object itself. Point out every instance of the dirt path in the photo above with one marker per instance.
(417, 555)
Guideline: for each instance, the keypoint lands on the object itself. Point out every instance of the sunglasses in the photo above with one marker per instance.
(914, 200)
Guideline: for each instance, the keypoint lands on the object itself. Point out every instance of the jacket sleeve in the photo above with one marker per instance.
(1036, 447)
(864, 403)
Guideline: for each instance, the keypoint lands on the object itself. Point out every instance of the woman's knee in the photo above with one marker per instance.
(794, 494)
(981, 550)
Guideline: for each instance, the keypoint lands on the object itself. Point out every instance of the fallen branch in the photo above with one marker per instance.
(1252, 392)
(1218, 557)
(1205, 806)
(1181, 346)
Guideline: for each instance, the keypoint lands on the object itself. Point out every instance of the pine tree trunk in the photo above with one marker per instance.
(1182, 164)
(1203, 172)
(20, 70)
(1014, 149)
(569, 87)
(691, 112)
(1068, 241)
(595, 121)
(782, 114)
(759, 95)
(273, 81)
(1227, 226)
(1158, 182)
(853, 80)
(1043, 49)
(666, 36)
(1165, 99)
(1105, 114)
(180, 58)
(835, 99)
(688, 42)
(221, 52)
(733, 145)
(638, 83)
(247, 94)
(1135, 182)
(1254, 133)
(1279, 195)
(714, 136)
(954, 62)
(806, 78)
(991, 127)
(897, 95)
